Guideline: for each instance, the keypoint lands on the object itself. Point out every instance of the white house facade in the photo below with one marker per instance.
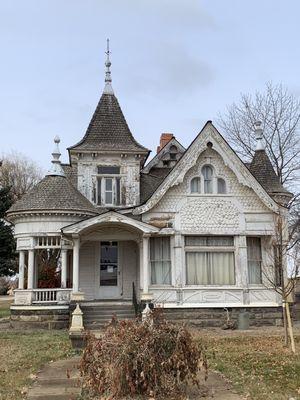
(189, 231)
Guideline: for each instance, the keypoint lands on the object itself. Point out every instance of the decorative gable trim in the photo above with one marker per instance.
(208, 134)
(109, 217)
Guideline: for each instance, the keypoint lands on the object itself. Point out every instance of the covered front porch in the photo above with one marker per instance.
(102, 258)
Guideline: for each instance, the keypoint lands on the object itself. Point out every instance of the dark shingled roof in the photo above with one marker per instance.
(263, 171)
(108, 129)
(53, 193)
(71, 173)
(150, 182)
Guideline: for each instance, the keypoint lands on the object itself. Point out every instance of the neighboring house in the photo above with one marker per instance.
(189, 231)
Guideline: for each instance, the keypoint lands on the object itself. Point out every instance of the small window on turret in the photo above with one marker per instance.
(109, 186)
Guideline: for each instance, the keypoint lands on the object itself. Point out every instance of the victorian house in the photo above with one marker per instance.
(188, 231)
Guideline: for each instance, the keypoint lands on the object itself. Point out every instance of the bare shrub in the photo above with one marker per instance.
(133, 358)
(4, 285)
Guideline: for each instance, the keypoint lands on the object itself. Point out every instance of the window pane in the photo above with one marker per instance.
(108, 197)
(108, 184)
(222, 268)
(254, 260)
(209, 241)
(195, 185)
(160, 259)
(221, 186)
(207, 173)
(209, 268)
(197, 272)
(108, 170)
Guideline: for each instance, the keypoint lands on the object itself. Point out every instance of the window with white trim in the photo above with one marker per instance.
(160, 260)
(207, 173)
(254, 256)
(108, 186)
(209, 260)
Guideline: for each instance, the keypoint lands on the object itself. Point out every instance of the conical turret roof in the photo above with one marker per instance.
(108, 129)
(53, 193)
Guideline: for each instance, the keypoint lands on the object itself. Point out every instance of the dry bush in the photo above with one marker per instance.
(133, 358)
(4, 285)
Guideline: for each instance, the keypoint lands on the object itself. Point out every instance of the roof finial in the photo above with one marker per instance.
(259, 136)
(108, 88)
(56, 168)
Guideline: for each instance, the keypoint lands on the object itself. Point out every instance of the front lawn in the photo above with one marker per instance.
(4, 309)
(23, 354)
(259, 367)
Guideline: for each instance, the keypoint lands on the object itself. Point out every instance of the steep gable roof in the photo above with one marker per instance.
(108, 129)
(155, 160)
(208, 134)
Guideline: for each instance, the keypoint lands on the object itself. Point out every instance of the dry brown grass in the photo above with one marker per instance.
(258, 365)
(23, 354)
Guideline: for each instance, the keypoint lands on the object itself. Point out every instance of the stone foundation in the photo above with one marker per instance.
(216, 317)
(39, 318)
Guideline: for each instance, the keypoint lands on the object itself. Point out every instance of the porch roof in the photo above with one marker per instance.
(109, 217)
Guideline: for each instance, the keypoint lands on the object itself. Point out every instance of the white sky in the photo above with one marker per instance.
(175, 64)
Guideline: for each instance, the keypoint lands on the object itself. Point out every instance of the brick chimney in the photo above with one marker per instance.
(164, 139)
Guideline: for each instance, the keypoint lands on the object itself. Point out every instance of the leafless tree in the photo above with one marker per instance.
(19, 173)
(279, 112)
(283, 251)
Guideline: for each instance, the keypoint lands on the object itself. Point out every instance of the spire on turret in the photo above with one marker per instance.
(259, 136)
(108, 87)
(56, 168)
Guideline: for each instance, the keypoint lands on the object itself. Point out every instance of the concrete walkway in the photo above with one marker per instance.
(60, 381)
(57, 381)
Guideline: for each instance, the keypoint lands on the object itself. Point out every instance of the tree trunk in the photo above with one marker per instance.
(287, 306)
(285, 325)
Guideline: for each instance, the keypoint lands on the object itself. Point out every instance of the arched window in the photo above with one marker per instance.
(195, 185)
(207, 173)
(221, 186)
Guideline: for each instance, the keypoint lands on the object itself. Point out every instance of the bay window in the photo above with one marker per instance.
(254, 257)
(160, 260)
(209, 260)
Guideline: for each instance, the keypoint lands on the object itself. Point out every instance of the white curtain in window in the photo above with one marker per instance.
(210, 268)
(160, 260)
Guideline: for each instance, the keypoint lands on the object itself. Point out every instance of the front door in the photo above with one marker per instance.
(109, 271)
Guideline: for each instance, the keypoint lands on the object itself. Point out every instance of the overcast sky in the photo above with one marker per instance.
(175, 64)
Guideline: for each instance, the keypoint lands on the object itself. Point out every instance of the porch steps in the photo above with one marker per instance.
(96, 315)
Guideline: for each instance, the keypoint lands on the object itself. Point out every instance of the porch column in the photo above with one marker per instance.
(21, 268)
(30, 269)
(64, 254)
(145, 263)
(76, 244)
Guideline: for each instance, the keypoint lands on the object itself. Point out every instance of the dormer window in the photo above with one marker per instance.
(207, 173)
(109, 186)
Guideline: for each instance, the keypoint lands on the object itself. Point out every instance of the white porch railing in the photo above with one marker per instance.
(43, 296)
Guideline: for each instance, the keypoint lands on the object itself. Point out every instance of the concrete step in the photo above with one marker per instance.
(50, 392)
(106, 312)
